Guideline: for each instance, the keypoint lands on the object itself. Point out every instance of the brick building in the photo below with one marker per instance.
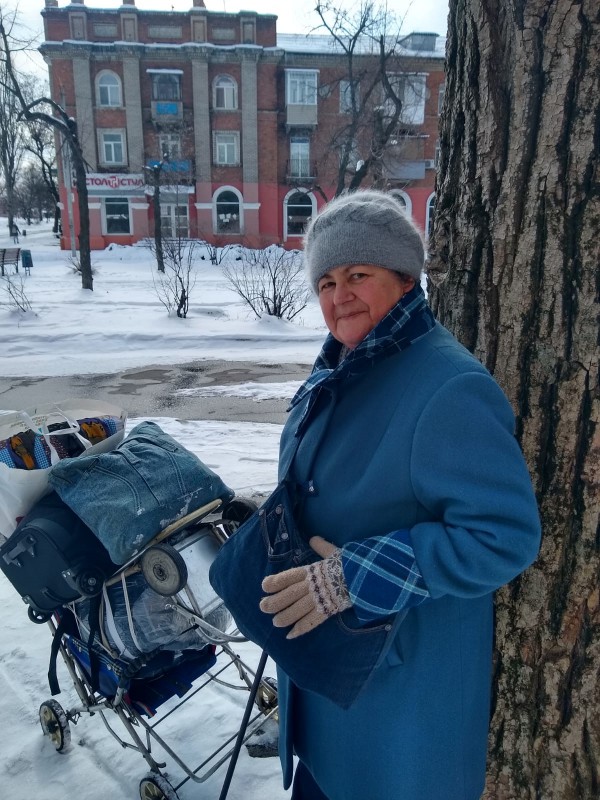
(245, 116)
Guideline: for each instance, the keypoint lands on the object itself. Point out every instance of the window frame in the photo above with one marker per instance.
(169, 136)
(117, 86)
(230, 89)
(163, 77)
(295, 141)
(346, 96)
(217, 145)
(401, 82)
(106, 216)
(298, 190)
(173, 217)
(102, 144)
(294, 87)
(215, 201)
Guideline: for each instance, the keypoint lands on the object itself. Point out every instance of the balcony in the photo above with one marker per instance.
(301, 115)
(300, 170)
(167, 110)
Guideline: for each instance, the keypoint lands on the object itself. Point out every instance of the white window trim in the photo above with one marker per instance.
(288, 75)
(100, 75)
(103, 209)
(292, 192)
(406, 199)
(240, 198)
(428, 213)
(345, 82)
(233, 86)
(101, 155)
(236, 135)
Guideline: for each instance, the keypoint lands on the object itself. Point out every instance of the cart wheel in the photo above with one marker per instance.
(155, 787)
(164, 569)
(55, 725)
(89, 582)
(37, 616)
(239, 510)
(266, 697)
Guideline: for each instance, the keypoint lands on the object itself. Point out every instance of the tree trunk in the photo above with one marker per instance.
(515, 272)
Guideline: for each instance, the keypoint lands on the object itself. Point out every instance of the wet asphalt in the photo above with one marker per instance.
(151, 391)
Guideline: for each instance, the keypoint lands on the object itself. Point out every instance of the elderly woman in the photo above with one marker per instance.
(420, 506)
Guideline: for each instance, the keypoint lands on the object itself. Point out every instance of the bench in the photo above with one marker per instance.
(9, 257)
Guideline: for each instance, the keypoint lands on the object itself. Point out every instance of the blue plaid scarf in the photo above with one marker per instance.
(409, 320)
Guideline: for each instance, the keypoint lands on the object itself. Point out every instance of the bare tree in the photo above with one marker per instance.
(174, 285)
(515, 266)
(369, 37)
(12, 142)
(66, 126)
(270, 281)
(41, 146)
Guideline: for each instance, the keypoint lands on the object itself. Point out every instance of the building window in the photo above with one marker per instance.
(441, 93)
(346, 96)
(403, 199)
(298, 209)
(109, 90)
(430, 214)
(228, 212)
(301, 87)
(169, 145)
(112, 147)
(116, 215)
(299, 157)
(166, 86)
(412, 91)
(225, 93)
(227, 148)
(174, 220)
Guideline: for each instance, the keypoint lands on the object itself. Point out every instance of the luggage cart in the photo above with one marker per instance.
(142, 696)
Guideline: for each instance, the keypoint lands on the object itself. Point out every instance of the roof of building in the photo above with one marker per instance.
(325, 43)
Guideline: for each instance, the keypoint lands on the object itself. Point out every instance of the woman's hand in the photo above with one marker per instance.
(306, 596)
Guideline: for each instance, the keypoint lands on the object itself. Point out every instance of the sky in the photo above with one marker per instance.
(293, 17)
(122, 324)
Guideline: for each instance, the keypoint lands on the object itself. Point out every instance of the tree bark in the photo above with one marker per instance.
(515, 274)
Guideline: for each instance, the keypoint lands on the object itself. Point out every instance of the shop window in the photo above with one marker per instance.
(228, 212)
(174, 220)
(109, 90)
(116, 215)
(299, 208)
(225, 93)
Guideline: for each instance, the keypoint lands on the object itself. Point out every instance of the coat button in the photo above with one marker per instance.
(279, 510)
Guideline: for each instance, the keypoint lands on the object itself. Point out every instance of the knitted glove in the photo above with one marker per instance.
(306, 596)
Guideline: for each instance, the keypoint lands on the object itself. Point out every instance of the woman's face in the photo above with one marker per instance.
(355, 298)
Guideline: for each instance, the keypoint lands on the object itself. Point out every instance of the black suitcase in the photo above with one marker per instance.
(53, 558)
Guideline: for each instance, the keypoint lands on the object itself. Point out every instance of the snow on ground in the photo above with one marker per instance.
(121, 324)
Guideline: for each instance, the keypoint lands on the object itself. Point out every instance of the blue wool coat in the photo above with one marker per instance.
(424, 441)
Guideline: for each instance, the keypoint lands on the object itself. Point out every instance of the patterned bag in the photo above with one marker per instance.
(33, 440)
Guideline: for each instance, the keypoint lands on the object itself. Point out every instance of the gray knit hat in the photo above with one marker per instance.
(367, 227)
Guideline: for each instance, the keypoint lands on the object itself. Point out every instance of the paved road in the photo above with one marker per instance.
(150, 391)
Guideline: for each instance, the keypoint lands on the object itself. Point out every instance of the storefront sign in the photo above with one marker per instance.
(119, 183)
